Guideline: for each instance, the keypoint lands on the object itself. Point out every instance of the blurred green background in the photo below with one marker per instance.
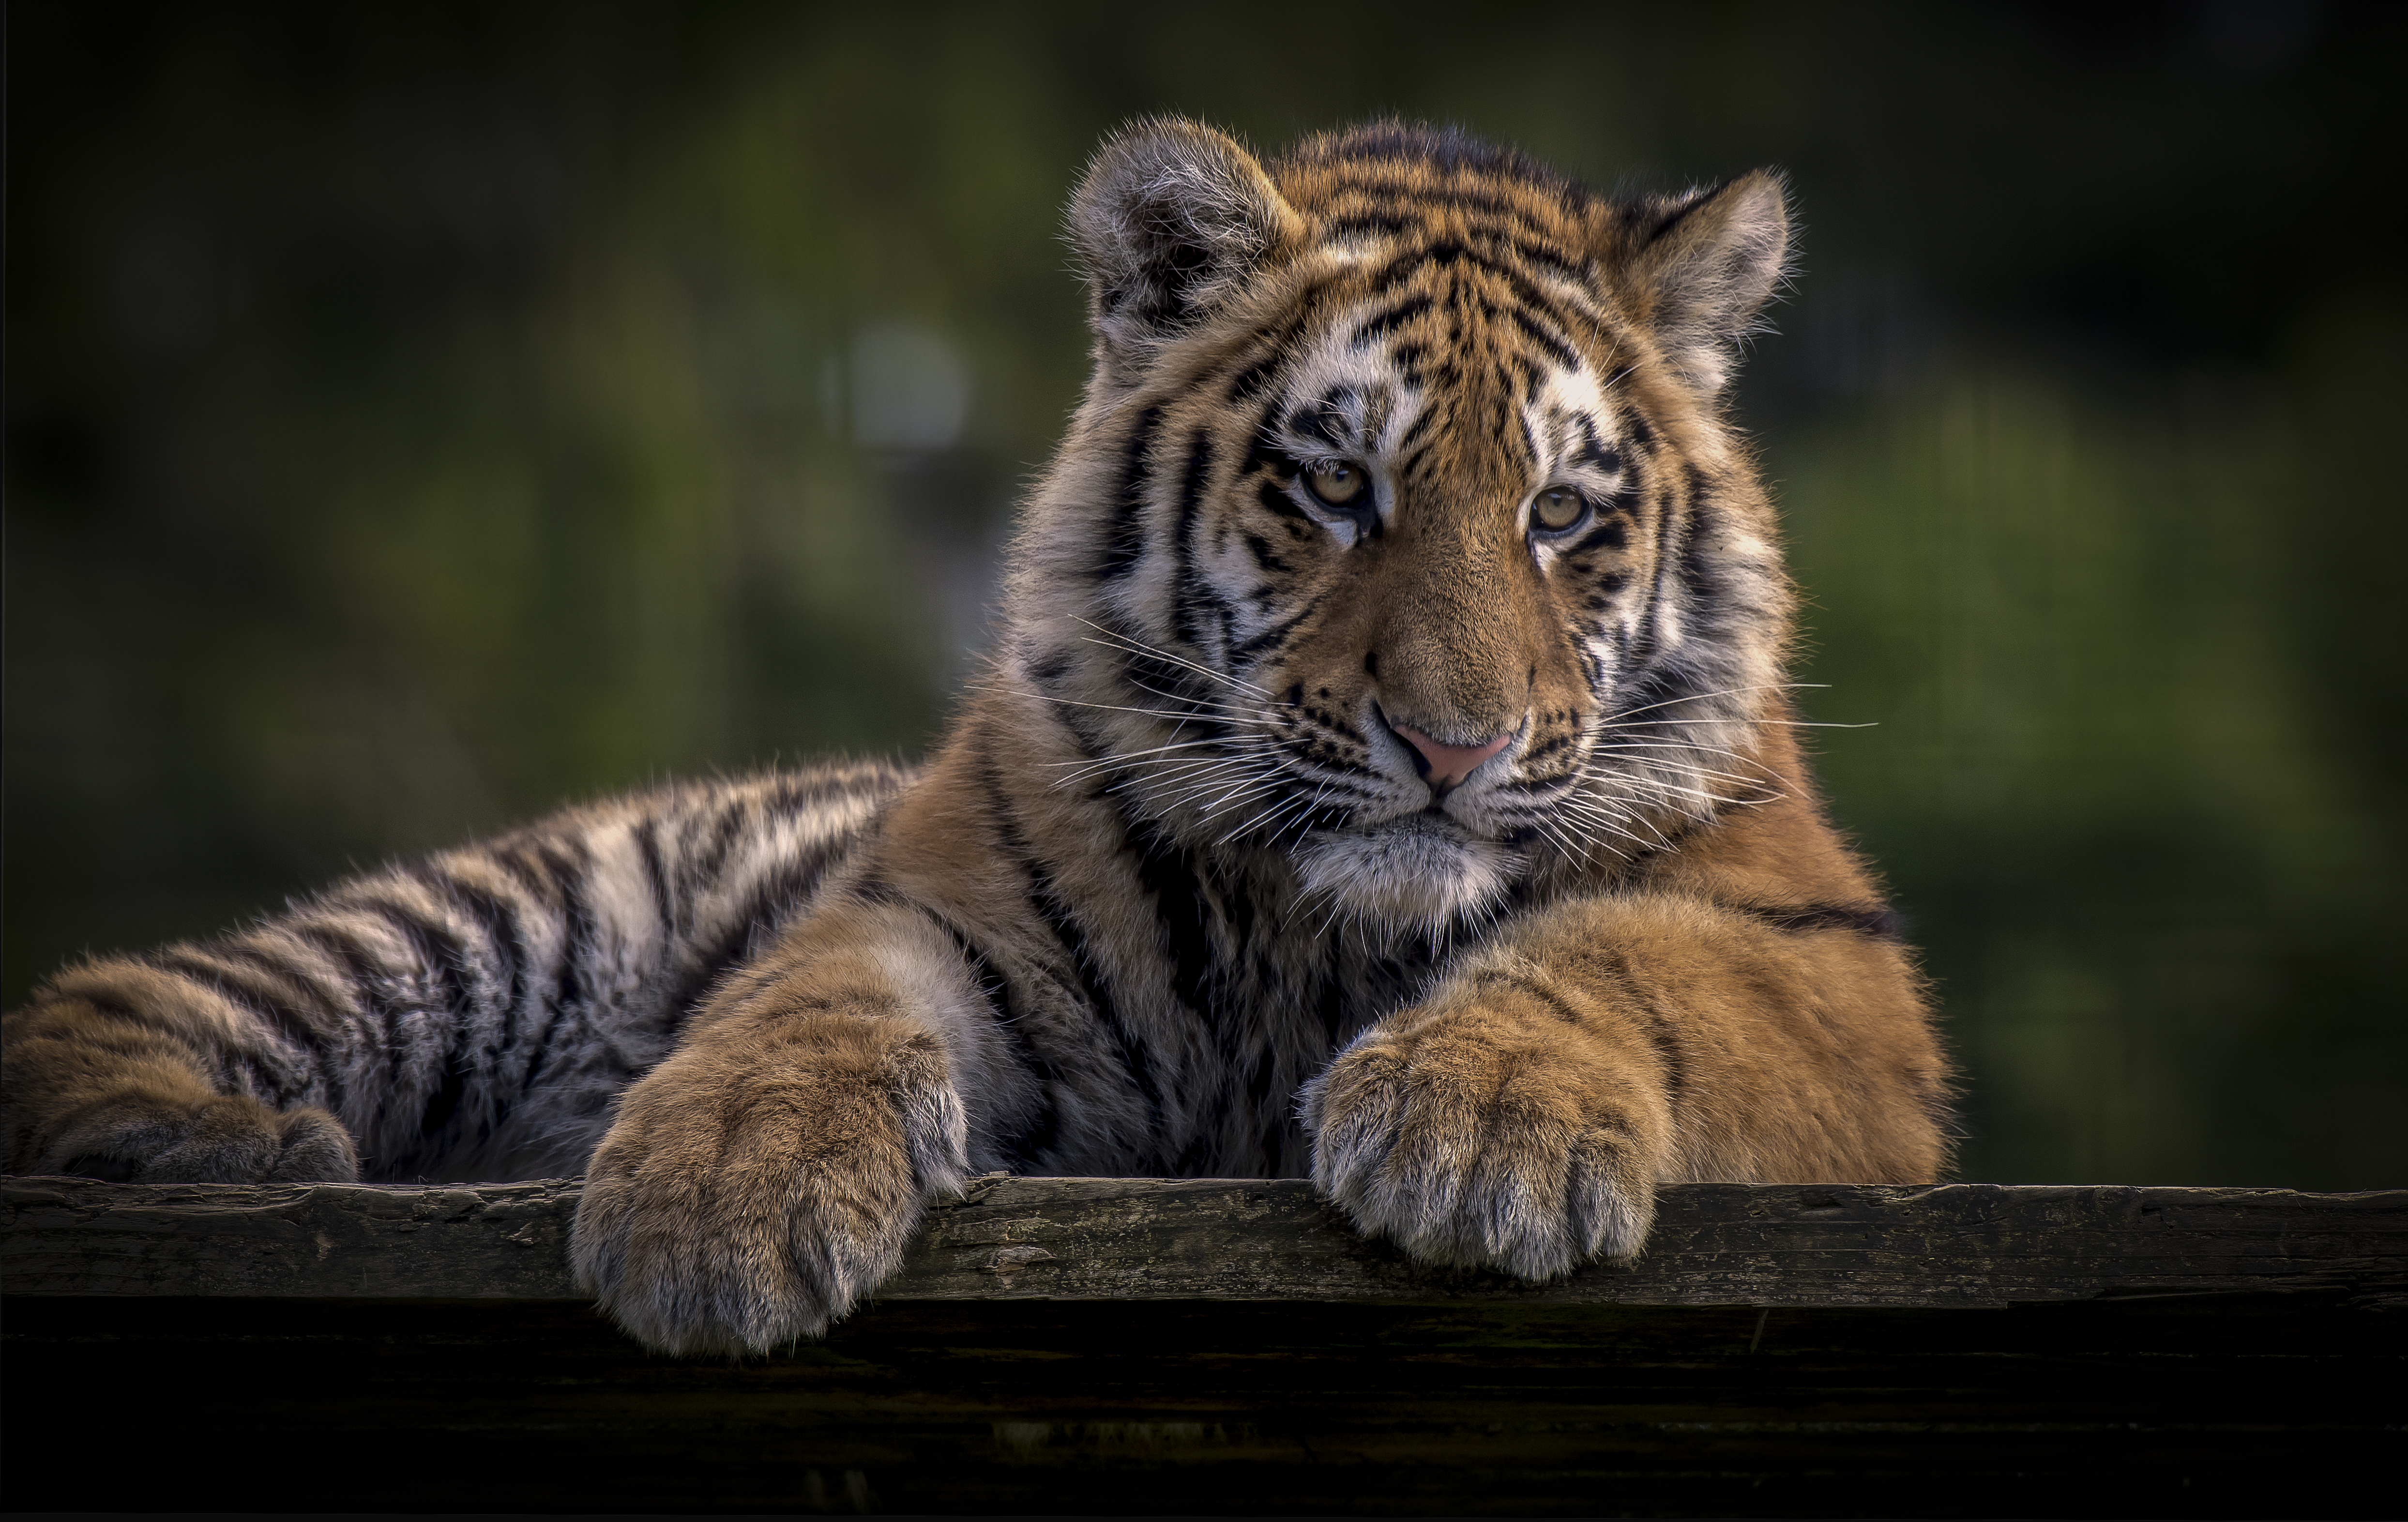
(421, 414)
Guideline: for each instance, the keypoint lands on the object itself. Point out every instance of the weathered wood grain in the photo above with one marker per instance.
(1938, 1246)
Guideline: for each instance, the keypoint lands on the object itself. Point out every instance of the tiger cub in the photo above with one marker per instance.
(1386, 775)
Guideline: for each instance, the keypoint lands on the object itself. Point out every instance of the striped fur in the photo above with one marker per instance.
(473, 1015)
(1445, 841)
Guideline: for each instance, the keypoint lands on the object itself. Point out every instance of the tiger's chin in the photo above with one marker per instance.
(1416, 872)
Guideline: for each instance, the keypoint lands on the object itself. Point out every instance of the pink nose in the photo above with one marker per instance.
(1448, 765)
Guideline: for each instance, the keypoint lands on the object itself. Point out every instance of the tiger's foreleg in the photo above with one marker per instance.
(768, 1174)
(1521, 1115)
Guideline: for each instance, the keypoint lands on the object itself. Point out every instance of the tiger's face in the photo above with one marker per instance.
(1456, 560)
(1406, 562)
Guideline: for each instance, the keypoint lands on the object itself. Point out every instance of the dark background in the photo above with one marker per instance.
(421, 414)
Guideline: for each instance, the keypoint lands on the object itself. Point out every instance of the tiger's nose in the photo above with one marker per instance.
(1443, 765)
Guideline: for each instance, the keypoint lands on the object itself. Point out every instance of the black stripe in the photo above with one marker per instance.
(564, 877)
(1273, 344)
(1555, 347)
(1676, 1066)
(656, 876)
(1155, 676)
(1410, 262)
(504, 937)
(437, 939)
(1273, 637)
(1593, 452)
(1568, 268)
(1382, 323)
(1650, 642)
(1250, 382)
(1274, 495)
(1090, 742)
(1169, 874)
(365, 973)
(1192, 487)
(1641, 432)
(1696, 575)
(1458, 196)
(709, 863)
(783, 891)
(440, 952)
(1124, 536)
(369, 967)
(1612, 530)
(1367, 221)
(301, 1010)
(1333, 1007)
(280, 1015)
(1536, 299)
(1026, 1152)
(707, 963)
(1423, 422)
(1073, 943)
(1881, 922)
(1552, 1000)
(1681, 213)
(1049, 669)
(1061, 920)
(1449, 250)
(1325, 418)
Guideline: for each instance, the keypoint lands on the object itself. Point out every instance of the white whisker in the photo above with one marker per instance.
(1150, 713)
(1114, 638)
(1719, 692)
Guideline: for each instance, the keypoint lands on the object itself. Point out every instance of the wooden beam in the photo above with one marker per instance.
(1228, 1346)
(1938, 1247)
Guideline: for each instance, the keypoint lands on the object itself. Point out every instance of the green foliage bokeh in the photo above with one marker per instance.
(421, 415)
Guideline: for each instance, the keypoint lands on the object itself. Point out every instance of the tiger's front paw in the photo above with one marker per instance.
(1489, 1135)
(750, 1193)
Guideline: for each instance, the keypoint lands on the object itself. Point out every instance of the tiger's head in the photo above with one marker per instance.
(1399, 531)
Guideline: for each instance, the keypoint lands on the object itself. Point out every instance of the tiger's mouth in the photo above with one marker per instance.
(1424, 869)
(1433, 821)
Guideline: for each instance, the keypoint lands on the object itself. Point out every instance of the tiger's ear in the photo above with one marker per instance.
(1170, 218)
(1706, 268)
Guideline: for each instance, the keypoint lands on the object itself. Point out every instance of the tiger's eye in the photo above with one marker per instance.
(1337, 485)
(1558, 509)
